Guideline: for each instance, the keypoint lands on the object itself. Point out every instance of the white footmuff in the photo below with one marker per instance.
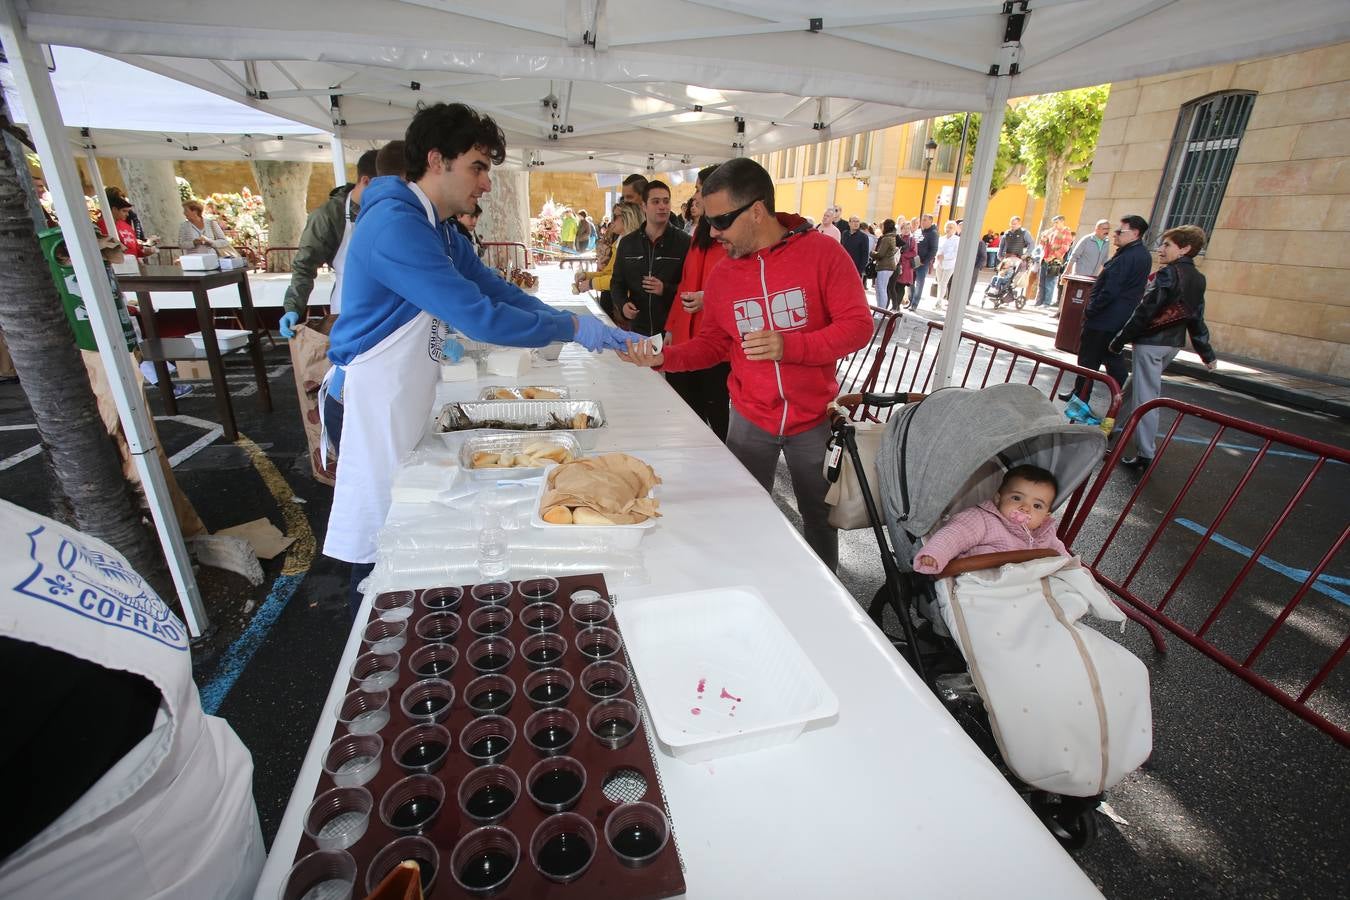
(1069, 707)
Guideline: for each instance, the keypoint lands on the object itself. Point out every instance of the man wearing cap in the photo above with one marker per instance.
(125, 229)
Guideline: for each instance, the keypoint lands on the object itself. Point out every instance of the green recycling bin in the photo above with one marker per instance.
(63, 274)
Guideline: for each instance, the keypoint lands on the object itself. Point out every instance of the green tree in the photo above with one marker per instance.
(947, 130)
(1058, 136)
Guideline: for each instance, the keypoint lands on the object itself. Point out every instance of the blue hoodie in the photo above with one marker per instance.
(396, 266)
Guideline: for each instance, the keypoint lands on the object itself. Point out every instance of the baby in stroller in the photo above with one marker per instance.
(1003, 286)
(1018, 518)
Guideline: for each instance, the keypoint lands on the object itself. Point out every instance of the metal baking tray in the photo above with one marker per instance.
(490, 392)
(520, 415)
(504, 442)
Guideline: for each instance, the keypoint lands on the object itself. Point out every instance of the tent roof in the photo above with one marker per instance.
(671, 76)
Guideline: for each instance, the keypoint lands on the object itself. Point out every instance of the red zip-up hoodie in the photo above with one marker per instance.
(804, 286)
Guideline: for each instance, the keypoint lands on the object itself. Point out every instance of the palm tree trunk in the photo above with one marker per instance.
(79, 452)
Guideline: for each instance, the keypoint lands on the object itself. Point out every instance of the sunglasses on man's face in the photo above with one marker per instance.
(727, 219)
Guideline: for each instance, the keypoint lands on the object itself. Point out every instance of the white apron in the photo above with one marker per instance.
(174, 818)
(340, 259)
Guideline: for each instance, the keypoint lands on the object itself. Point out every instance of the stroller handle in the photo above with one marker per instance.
(851, 402)
(991, 561)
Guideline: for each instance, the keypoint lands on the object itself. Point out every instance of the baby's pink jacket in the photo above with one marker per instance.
(982, 529)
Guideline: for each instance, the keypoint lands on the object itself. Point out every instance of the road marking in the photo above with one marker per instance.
(10, 462)
(1227, 446)
(299, 557)
(1322, 585)
(212, 430)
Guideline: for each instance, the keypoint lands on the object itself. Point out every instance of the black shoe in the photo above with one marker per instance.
(1137, 462)
(1066, 395)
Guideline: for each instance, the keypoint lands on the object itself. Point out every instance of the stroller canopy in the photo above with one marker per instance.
(950, 451)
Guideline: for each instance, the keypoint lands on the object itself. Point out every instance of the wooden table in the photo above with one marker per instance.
(172, 278)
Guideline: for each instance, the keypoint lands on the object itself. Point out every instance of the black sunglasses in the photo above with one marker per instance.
(727, 219)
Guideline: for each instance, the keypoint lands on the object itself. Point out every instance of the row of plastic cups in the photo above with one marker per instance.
(399, 604)
(390, 635)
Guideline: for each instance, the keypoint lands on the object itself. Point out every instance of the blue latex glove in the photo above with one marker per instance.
(595, 336)
(288, 323)
(452, 350)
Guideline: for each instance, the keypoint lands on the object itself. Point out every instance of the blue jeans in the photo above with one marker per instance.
(916, 289)
(1047, 289)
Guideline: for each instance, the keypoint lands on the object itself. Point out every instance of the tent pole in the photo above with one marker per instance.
(977, 195)
(339, 160)
(100, 190)
(58, 165)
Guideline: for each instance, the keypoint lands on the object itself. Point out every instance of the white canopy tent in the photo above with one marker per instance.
(589, 84)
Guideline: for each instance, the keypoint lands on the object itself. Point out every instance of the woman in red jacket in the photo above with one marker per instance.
(705, 390)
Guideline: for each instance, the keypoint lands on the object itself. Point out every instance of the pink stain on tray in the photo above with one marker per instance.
(696, 711)
(702, 685)
(726, 696)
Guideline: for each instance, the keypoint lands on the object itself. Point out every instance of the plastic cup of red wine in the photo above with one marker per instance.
(490, 695)
(488, 794)
(445, 599)
(556, 783)
(552, 730)
(484, 860)
(543, 650)
(440, 628)
(490, 654)
(427, 700)
(637, 833)
(384, 636)
(375, 671)
(489, 620)
(541, 617)
(589, 613)
(487, 739)
(422, 749)
(433, 661)
(492, 592)
(548, 687)
(562, 847)
(410, 846)
(413, 804)
(337, 818)
(534, 590)
(394, 605)
(323, 873)
(613, 722)
(604, 679)
(598, 643)
(364, 712)
(353, 759)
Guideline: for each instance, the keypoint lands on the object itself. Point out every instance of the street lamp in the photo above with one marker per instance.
(929, 151)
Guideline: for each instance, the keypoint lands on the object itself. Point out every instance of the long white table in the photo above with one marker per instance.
(268, 290)
(890, 799)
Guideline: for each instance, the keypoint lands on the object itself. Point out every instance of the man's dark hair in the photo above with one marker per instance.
(454, 129)
(705, 173)
(1138, 223)
(1034, 474)
(365, 166)
(744, 180)
(389, 160)
(656, 185)
(639, 182)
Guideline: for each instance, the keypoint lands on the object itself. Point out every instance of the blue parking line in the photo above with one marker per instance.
(1323, 584)
(232, 664)
(1227, 446)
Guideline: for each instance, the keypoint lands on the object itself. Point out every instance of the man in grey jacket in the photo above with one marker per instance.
(1092, 251)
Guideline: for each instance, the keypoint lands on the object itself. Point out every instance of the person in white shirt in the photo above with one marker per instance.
(945, 261)
(827, 226)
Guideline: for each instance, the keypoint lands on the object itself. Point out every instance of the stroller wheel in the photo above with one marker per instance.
(1072, 820)
(1021, 301)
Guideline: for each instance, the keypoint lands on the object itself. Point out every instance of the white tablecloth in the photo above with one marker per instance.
(891, 799)
(268, 290)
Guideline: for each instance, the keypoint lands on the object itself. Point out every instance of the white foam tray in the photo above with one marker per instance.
(720, 673)
(226, 339)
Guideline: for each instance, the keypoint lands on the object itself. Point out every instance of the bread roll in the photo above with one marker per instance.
(558, 515)
(585, 516)
(484, 459)
(504, 394)
(538, 393)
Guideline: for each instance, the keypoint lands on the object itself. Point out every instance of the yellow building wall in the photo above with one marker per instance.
(815, 197)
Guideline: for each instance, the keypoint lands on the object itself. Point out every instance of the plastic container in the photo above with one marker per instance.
(493, 392)
(503, 442)
(353, 759)
(720, 673)
(527, 413)
(339, 817)
(620, 537)
(226, 339)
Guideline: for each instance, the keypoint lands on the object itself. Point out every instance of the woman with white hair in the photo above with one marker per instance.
(944, 264)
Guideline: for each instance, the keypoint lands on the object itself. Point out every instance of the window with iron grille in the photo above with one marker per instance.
(1204, 148)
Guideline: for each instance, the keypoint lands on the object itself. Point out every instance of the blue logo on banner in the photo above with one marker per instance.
(93, 584)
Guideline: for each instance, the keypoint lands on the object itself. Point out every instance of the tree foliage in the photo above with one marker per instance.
(947, 130)
(1059, 132)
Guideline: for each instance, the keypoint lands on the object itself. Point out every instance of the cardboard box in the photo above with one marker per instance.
(192, 370)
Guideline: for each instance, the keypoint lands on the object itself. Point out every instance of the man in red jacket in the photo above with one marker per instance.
(784, 306)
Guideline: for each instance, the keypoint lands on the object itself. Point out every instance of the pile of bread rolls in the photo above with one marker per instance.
(612, 489)
(533, 455)
(525, 393)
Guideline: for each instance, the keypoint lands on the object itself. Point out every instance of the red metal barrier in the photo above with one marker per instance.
(506, 255)
(1241, 614)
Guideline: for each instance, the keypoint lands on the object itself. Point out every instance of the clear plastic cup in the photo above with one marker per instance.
(442, 599)
(364, 712)
(490, 695)
(384, 636)
(532, 590)
(326, 874)
(637, 833)
(589, 613)
(422, 749)
(353, 759)
(551, 731)
(412, 804)
(562, 847)
(544, 649)
(440, 628)
(604, 679)
(375, 671)
(492, 592)
(484, 860)
(394, 605)
(409, 847)
(339, 817)
(490, 654)
(556, 783)
(584, 595)
(541, 617)
(433, 661)
(548, 687)
(598, 643)
(489, 620)
(488, 794)
(487, 739)
(613, 722)
(428, 700)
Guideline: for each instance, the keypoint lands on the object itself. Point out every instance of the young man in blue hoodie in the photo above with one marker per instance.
(408, 281)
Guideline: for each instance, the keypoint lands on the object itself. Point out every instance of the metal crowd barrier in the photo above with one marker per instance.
(506, 255)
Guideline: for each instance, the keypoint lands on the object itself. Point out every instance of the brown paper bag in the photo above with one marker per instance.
(309, 361)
